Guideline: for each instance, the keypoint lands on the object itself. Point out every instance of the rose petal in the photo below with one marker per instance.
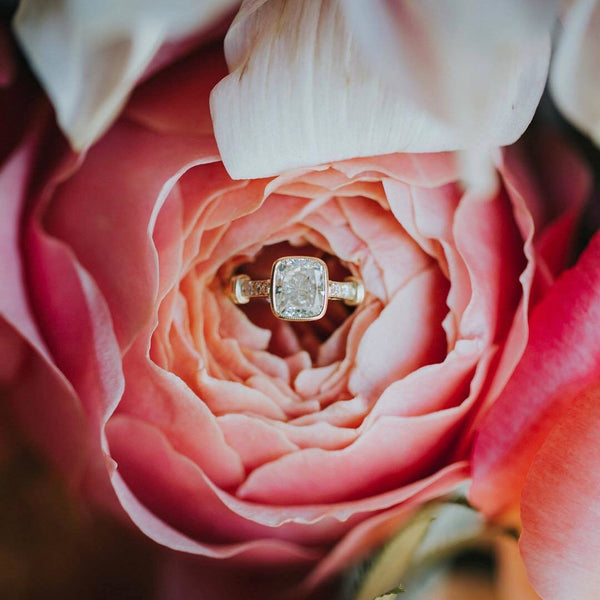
(559, 505)
(57, 426)
(490, 77)
(161, 398)
(129, 206)
(14, 306)
(390, 454)
(563, 351)
(76, 324)
(422, 170)
(262, 550)
(89, 56)
(391, 252)
(342, 107)
(406, 335)
(256, 441)
(223, 397)
(367, 536)
(175, 100)
(432, 387)
(492, 249)
(176, 490)
(575, 79)
(335, 382)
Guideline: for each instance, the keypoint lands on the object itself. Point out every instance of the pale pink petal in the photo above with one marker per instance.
(177, 491)
(180, 494)
(407, 335)
(250, 233)
(310, 381)
(14, 307)
(428, 216)
(420, 169)
(390, 454)
(391, 252)
(76, 324)
(318, 435)
(256, 441)
(223, 397)
(492, 249)
(432, 387)
(228, 201)
(167, 237)
(336, 382)
(227, 357)
(161, 398)
(528, 211)
(235, 324)
(222, 357)
(204, 186)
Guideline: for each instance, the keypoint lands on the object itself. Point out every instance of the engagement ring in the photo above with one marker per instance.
(298, 290)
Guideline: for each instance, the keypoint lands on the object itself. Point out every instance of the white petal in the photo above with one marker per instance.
(459, 59)
(302, 91)
(575, 77)
(88, 54)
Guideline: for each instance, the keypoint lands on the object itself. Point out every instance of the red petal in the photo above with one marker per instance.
(563, 352)
(560, 543)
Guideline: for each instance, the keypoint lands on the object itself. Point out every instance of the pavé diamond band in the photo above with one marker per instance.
(299, 288)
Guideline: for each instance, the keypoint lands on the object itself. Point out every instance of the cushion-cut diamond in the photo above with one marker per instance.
(299, 288)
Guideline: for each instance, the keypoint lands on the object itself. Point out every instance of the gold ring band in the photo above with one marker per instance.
(298, 290)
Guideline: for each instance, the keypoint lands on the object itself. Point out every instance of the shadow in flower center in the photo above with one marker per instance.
(290, 337)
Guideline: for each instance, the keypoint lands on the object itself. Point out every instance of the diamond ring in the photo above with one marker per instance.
(298, 290)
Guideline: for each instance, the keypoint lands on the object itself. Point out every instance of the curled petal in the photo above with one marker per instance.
(301, 92)
(89, 55)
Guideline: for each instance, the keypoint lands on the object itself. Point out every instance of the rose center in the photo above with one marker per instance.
(298, 288)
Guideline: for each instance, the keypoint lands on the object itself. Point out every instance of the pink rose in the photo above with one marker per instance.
(219, 430)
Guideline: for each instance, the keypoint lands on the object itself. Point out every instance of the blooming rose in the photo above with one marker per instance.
(224, 432)
(221, 431)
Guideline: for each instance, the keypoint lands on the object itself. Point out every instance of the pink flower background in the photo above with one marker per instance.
(296, 450)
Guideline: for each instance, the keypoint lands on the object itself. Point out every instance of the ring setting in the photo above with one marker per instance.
(298, 290)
